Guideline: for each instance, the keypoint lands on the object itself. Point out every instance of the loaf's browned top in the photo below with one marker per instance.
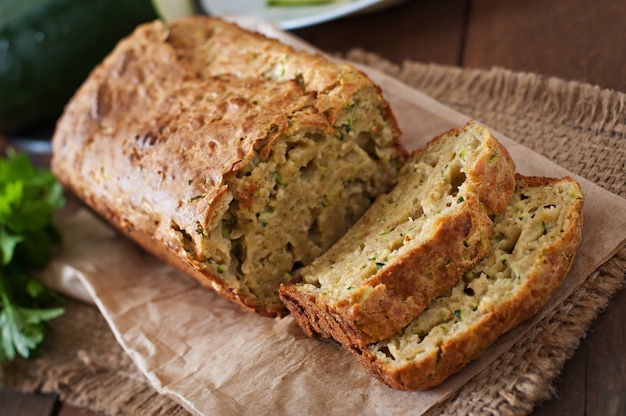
(246, 110)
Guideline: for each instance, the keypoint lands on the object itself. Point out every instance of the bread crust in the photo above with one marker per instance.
(552, 264)
(152, 137)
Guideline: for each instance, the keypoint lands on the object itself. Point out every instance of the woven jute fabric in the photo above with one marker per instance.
(578, 126)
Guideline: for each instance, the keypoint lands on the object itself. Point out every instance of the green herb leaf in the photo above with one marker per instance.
(8, 242)
(22, 328)
(28, 199)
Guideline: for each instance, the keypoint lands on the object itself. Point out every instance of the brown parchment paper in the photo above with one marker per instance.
(214, 358)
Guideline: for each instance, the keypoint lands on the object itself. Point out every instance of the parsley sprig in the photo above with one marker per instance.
(28, 199)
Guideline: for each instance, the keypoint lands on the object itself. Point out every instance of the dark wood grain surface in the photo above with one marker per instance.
(571, 39)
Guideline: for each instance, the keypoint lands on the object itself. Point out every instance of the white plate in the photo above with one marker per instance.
(292, 17)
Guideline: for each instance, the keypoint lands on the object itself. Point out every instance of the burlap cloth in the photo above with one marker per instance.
(578, 126)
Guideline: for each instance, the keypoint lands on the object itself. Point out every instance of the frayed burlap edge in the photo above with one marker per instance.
(96, 374)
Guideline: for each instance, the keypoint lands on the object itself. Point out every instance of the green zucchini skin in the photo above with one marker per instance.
(48, 47)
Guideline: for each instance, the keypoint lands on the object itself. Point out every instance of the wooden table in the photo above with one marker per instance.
(572, 39)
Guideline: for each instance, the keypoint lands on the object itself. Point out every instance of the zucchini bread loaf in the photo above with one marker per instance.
(230, 155)
(413, 244)
(535, 242)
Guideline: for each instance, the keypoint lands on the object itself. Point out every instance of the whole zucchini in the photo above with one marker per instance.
(48, 47)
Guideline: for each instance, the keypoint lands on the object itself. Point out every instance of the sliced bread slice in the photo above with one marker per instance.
(535, 242)
(413, 244)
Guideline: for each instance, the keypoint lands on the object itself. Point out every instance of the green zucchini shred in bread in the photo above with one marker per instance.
(413, 244)
(228, 154)
(535, 242)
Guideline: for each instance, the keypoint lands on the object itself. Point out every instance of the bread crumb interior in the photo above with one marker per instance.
(429, 184)
(535, 218)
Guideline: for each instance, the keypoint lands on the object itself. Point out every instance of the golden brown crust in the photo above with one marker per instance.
(152, 137)
(552, 264)
(491, 177)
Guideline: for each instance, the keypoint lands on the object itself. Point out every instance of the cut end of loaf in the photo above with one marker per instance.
(289, 206)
